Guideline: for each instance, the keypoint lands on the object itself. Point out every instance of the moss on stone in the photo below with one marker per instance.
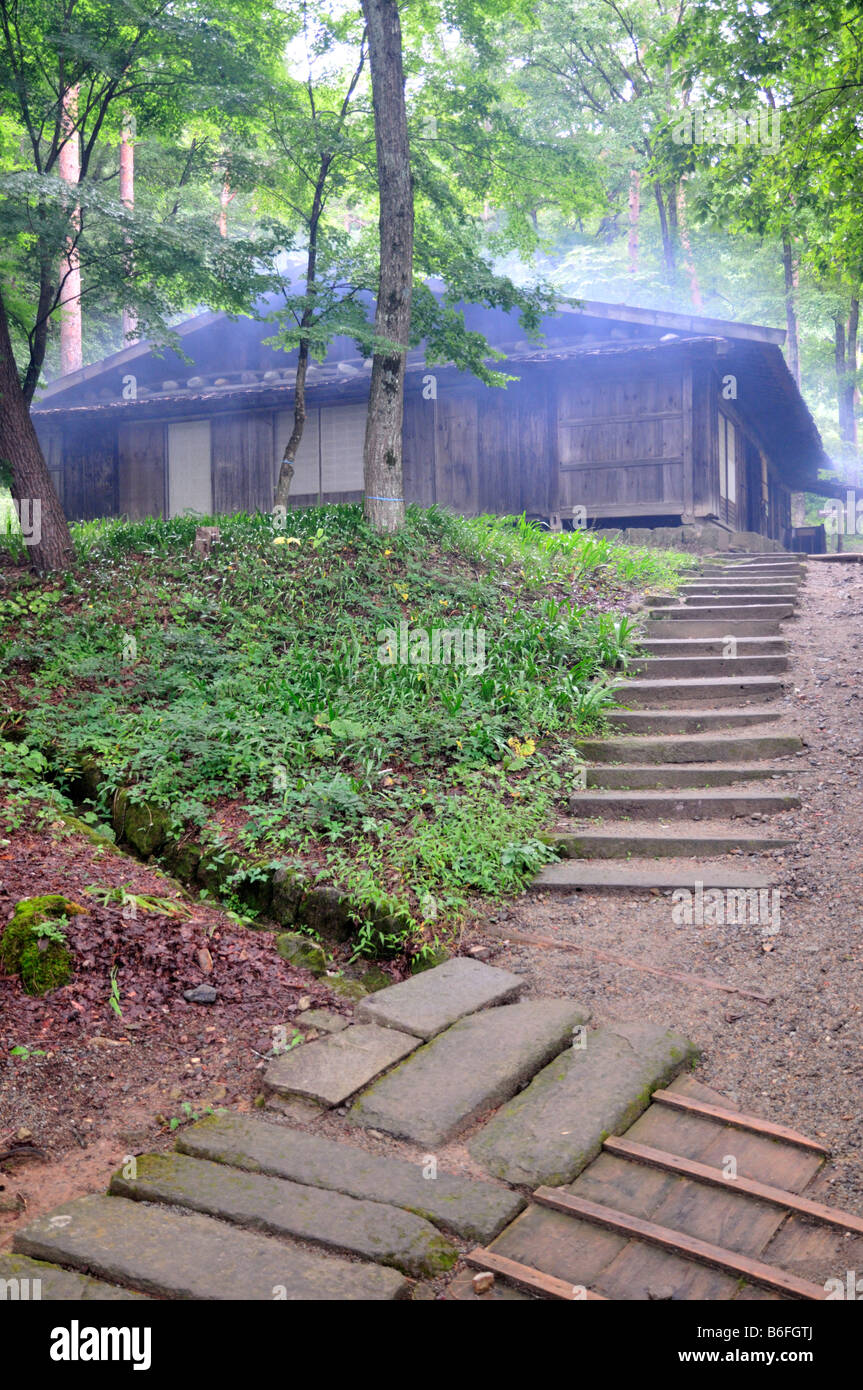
(43, 962)
(145, 827)
(302, 952)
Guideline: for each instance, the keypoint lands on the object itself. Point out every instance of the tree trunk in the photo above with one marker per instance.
(667, 244)
(688, 261)
(791, 306)
(382, 454)
(127, 197)
(634, 210)
(32, 488)
(69, 165)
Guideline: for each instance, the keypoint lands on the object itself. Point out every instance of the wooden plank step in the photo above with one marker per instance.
(715, 1177)
(714, 646)
(738, 1121)
(711, 627)
(681, 665)
(700, 1251)
(722, 612)
(525, 1277)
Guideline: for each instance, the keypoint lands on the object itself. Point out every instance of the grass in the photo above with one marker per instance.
(246, 691)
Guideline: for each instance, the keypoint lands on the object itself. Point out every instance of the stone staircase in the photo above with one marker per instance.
(692, 742)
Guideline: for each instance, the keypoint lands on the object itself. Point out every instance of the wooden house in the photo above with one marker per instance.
(618, 417)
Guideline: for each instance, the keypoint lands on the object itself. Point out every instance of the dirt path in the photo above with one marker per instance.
(798, 1059)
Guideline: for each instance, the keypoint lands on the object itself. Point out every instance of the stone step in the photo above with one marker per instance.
(682, 804)
(635, 778)
(724, 612)
(435, 999)
(655, 666)
(553, 1129)
(672, 843)
(689, 627)
(275, 1207)
(473, 1209)
(33, 1281)
(696, 721)
(710, 585)
(660, 692)
(734, 593)
(330, 1070)
(692, 748)
(478, 1063)
(792, 567)
(714, 646)
(713, 600)
(570, 875)
(178, 1254)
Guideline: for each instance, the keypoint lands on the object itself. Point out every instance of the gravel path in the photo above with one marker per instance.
(799, 1059)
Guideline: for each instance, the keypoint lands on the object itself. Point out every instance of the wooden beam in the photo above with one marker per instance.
(749, 1187)
(738, 1121)
(547, 1285)
(578, 420)
(678, 1243)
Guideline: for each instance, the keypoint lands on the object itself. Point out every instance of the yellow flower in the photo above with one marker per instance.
(522, 750)
(404, 596)
(388, 552)
(279, 540)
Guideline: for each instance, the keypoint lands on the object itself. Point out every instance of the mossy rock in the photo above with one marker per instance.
(327, 912)
(374, 979)
(348, 989)
(215, 867)
(87, 780)
(145, 827)
(302, 952)
(436, 956)
(181, 858)
(42, 962)
(97, 835)
(288, 893)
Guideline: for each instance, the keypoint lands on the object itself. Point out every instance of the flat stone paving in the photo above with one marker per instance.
(473, 1209)
(478, 1063)
(331, 1069)
(553, 1129)
(34, 1281)
(184, 1255)
(435, 999)
(274, 1206)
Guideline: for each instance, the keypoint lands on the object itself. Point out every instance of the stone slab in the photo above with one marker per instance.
(434, 1000)
(478, 1063)
(184, 1255)
(552, 1130)
(376, 1231)
(473, 1209)
(331, 1069)
(34, 1281)
(324, 1020)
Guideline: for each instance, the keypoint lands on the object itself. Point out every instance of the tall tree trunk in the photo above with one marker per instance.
(688, 261)
(667, 243)
(382, 453)
(286, 471)
(634, 210)
(31, 482)
(853, 393)
(69, 165)
(127, 197)
(790, 273)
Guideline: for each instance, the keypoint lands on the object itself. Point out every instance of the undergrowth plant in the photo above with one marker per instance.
(247, 691)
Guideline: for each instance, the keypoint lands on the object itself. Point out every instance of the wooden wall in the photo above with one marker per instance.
(141, 469)
(625, 439)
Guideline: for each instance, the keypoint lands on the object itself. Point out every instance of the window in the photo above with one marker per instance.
(727, 459)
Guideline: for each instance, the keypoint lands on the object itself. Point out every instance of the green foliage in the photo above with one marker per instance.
(257, 707)
(35, 945)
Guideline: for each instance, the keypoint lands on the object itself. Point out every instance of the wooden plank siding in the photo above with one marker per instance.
(89, 473)
(242, 462)
(141, 469)
(622, 442)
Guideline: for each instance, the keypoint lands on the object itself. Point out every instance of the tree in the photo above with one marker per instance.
(71, 74)
(382, 452)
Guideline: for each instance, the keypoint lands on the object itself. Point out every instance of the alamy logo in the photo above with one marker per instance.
(28, 513)
(20, 1290)
(406, 646)
(77, 1343)
(735, 906)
